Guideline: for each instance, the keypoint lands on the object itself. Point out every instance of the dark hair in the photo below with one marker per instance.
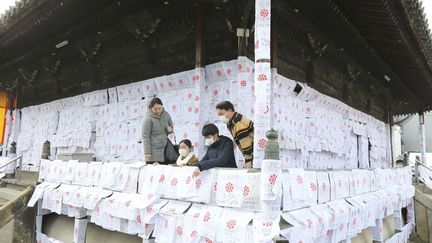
(155, 101)
(225, 105)
(187, 142)
(210, 129)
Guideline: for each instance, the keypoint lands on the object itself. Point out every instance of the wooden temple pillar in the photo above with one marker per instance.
(263, 77)
(199, 78)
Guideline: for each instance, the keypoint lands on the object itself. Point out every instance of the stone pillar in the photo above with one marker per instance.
(422, 137)
(422, 132)
(46, 150)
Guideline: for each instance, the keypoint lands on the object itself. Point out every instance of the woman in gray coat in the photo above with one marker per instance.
(157, 125)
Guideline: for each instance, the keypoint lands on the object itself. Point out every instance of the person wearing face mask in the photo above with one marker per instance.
(156, 127)
(187, 157)
(220, 150)
(241, 129)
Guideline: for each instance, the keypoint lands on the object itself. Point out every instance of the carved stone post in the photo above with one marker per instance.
(272, 147)
(46, 150)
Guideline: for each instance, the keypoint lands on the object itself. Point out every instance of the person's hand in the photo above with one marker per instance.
(196, 172)
(169, 129)
(147, 157)
(249, 165)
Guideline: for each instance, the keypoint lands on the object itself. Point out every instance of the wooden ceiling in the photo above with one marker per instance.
(388, 39)
(383, 45)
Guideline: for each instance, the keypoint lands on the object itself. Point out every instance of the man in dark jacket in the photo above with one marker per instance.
(220, 152)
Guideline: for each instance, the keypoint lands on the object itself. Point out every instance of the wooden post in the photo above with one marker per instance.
(18, 94)
(199, 76)
(390, 122)
(309, 70)
(199, 37)
(262, 78)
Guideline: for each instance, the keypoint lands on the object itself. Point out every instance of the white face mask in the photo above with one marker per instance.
(224, 119)
(183, 152)
(209, 141)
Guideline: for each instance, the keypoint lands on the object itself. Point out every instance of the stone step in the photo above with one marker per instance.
(24, 178)
(7, 193)
(3, 201)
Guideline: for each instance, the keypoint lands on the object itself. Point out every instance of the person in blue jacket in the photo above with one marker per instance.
(220, 152)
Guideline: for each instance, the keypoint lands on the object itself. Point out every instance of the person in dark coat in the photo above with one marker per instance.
(156, 127)
(220, 152)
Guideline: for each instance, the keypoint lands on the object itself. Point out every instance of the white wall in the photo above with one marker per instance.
(396, 141)
(411, 136)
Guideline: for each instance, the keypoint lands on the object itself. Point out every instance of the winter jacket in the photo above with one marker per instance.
(219, 154)
(242, 130)
(155, 135)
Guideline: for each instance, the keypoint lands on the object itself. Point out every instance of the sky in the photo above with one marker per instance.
(427, 4)
(5, 4)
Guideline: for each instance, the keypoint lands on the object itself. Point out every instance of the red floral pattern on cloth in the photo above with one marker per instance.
(262, 143)
(174, 182)
(127, 203)
(272, 179)
(313, 187)
(246, 191)
(196, 77)
(264, 13)
(262, 77)
(229, 187)
(231, 224)
(309, 223)
(198, 183)
(206, 217)
(299, 180)
(149, 209)
(267, 224)
(179, 230)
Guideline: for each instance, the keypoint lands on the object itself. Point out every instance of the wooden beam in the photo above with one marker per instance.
(18, 93)
(309, 70)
